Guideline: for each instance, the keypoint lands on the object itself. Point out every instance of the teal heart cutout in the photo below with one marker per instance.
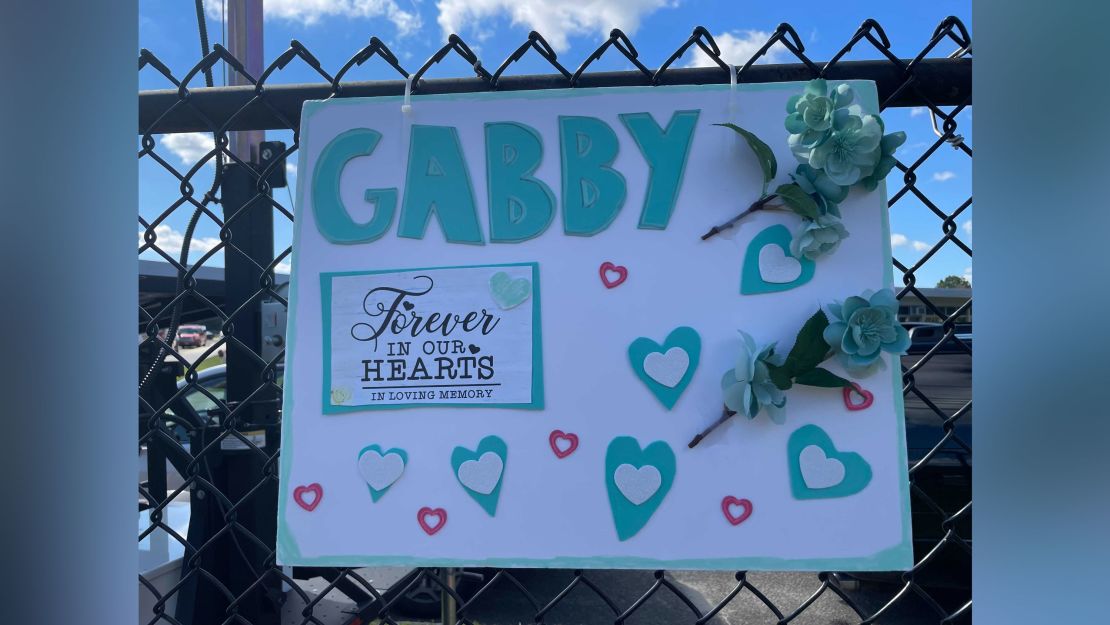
(509, 292)
(634, 505)
(478, 479)
(383, 468)
(772, 271)
(814, 474)
(657, 365)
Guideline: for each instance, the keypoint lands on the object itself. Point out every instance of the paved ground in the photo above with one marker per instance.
(505, 604)
(945, 379)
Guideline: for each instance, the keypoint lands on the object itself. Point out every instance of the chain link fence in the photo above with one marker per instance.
(211, 442)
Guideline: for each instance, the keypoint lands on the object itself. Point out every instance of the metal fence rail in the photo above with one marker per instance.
(228, 574)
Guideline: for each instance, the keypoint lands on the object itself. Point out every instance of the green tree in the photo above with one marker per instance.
(954, 282)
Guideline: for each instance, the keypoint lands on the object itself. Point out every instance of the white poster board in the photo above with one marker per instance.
(490, 365)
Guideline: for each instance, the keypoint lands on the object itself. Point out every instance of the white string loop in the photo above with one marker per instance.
(406, 106)
(732, 92)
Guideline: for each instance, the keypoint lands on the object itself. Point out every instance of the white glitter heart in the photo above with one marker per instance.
(637, 485)
(818, 470)
(667, 368)
(776, 267)
(379, 471)
(482, 475)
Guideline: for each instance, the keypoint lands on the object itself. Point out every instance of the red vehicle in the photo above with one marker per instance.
(192, 336)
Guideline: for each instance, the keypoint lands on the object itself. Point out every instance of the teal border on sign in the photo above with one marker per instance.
(901, 554)
(898, 557)
(537, 344)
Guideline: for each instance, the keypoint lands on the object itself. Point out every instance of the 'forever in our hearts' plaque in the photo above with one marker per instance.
(430, 337)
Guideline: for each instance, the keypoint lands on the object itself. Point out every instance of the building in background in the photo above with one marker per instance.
(946, 301)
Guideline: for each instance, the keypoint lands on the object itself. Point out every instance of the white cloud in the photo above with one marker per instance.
(737, 47)
(283, 267)
(170, 241)
(944, 176)
(556, 21)
(190, 147)
(898, 240)
(309, 12)
(967, 226)
(915, 147)
(917, 110)
(967, 275)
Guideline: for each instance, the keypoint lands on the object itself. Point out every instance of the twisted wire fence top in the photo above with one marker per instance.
(937, 78)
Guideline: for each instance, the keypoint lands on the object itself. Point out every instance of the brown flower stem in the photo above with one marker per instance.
(758, 205)
(726, 414)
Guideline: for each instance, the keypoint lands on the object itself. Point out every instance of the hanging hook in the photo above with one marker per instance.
(955, 140)
(732, 71)
(406, 106)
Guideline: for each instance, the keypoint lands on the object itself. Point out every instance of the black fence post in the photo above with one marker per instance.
(251, 400)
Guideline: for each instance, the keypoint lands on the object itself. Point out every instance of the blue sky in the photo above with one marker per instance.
(414, 29)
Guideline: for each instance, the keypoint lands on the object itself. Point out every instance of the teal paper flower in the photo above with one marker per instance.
(748, 387)
(824, 191)
(889, 144)
(835, 137)
(862, 328)
(852, 150)
(818, 237)
(810, 115)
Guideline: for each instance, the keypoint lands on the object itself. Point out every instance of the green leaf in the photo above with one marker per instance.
(763, 153)
(823, 378)
(798, 200)
(810, 348)
(781, 376)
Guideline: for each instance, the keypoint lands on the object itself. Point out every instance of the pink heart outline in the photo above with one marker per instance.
(730, 501)
(559, 434)
(439, 513)
(300, 491)
(620, 270)
(868, 397)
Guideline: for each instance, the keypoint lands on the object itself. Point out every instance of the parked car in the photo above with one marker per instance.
(214, 381)
(199, 402)
(192, 336)
(923, 336)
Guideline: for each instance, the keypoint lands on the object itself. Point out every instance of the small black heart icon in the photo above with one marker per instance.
(474, 349)
(407, 305)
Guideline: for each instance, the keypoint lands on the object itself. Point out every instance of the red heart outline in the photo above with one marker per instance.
(439, 513)
(868, 398)
(729, 501)
(559, 434)
(621, 271)
(299, 493)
